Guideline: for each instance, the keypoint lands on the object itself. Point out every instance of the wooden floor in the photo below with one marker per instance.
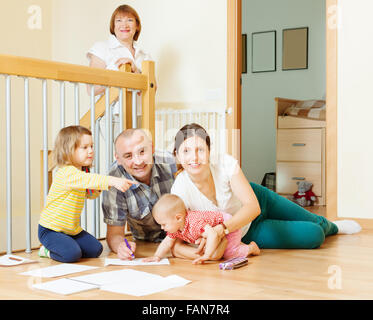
(341, 269)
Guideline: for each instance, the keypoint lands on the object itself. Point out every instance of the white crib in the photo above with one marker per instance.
(168, 122)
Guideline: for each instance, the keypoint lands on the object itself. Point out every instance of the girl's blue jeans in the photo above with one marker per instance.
(65, 248)
(283, 224)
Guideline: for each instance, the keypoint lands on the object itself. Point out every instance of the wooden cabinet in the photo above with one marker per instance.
(300, 152)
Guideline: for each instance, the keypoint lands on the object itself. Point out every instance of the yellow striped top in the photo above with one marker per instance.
(66, 196)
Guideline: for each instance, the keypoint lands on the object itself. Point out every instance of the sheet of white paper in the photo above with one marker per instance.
(119, 276)
(177, 281)
(140, 287)
(6, 262)
(64, 286)
(57, 270)
(132, 282)
(134, 262)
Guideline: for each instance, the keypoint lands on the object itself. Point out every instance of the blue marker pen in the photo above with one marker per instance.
(128, 246)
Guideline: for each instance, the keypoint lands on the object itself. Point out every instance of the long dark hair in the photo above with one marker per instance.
(188, 131)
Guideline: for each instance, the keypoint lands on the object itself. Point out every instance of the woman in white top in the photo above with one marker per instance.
(264, 216)
(120, 48)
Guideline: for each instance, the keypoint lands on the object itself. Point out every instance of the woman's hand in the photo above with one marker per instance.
(121, 61)
(219, 229)
(122, 184)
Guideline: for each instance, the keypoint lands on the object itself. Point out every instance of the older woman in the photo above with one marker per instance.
(264, 216)
(120, 48)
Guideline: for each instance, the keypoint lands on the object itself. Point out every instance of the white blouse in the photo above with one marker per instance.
(110, 51)
(222, 172)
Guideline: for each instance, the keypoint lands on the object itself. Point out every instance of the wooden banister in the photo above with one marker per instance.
(100, 105)
(50, 70)
(44, 69)
(148, 100)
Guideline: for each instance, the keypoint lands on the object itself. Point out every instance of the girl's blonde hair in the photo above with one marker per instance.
(68, 139)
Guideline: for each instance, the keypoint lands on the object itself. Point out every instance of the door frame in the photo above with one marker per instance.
(233, 123)
(331, 112)
(332, 116)
(234, 67)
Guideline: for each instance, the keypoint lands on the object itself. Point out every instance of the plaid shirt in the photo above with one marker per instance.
(194, 225)
(135, 205)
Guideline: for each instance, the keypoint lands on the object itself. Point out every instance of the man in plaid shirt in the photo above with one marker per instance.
(154, 172)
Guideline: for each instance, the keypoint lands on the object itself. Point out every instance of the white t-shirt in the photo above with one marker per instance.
(110, 51)
(222, 172)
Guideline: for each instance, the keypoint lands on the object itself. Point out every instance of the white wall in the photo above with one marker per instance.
(260, 89)
(26, 31)
(355, 109)
(187, 40)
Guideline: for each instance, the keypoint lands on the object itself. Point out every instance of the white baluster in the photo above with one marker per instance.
(134, 109)
(120, 101)
(27, 167)
(62, 104)
(45, 141)
(76, 103)
(94, 168)
(8, 165)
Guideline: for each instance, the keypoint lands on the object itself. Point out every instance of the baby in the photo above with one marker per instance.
(180, 223)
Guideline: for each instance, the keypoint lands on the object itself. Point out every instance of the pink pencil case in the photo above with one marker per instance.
(233, 263)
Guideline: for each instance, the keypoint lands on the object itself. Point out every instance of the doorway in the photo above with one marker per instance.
(234, 94)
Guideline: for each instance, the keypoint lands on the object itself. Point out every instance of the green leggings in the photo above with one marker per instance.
(283, 224)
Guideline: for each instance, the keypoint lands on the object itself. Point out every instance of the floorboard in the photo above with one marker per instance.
(340, 269)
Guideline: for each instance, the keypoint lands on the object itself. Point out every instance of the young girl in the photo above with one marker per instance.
(60, 233)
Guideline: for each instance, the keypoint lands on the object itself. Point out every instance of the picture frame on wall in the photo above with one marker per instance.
(263, 51)
(244, 53)
(295, 48)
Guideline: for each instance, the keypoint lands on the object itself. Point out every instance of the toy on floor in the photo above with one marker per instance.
(304, 196)
(233, 263)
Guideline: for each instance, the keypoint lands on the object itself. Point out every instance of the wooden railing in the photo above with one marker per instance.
(59, 71)
(100, 106)
(65, 72)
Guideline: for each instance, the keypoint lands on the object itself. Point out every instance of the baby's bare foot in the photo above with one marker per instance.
(253, 249)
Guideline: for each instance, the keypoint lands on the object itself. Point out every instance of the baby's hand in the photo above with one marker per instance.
(200, 260)
(151, 259)
(122, 184)
(201, 245)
